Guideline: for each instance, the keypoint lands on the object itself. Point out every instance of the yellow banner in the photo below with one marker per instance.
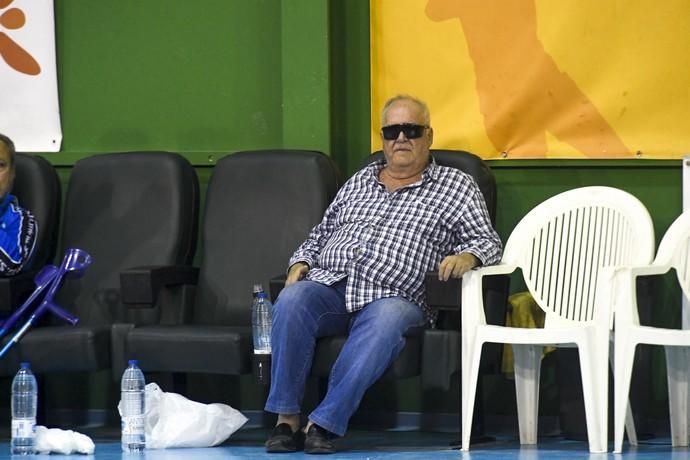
(539, 78)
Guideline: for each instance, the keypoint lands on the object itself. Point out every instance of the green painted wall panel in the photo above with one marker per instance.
(350, 82)
(305, 70)
(169, 75)
(520, 188)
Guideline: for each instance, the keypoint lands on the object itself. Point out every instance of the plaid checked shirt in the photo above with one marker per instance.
(384, 242)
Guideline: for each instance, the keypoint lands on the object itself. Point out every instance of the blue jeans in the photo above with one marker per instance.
(307, 310)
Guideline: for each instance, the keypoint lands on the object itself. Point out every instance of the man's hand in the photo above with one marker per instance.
(456, 265)
(296, 272)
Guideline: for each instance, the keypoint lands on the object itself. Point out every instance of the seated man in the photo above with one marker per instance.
(361, 272)
(17, 226)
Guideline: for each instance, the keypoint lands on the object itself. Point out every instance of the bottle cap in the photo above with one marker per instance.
(133, 362)
(258, 288)
(25, 365)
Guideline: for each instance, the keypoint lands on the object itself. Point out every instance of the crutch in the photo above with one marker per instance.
(49, 279)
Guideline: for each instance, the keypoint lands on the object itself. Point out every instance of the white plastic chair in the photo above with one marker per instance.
(563, 246)
(673, 253)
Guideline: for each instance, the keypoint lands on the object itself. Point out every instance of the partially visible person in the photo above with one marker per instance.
(18, 228)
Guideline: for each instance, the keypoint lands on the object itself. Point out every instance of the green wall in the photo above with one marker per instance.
(212, 77)
(524, 184)
(202, 78)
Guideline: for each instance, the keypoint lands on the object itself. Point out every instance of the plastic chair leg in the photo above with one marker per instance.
(594, 371)
(630, 430)
(527, 359)
(677, 359)
(623, 366)
(471, 354)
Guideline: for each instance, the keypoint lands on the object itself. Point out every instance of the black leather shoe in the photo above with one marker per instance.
(282, 439)
(318, 441)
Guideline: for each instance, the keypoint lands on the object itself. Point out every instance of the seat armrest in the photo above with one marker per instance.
(447, 295)
(141, 285)
(14, 290)
(645, 270)
(275, 285)
(442, 295)
(443, 345)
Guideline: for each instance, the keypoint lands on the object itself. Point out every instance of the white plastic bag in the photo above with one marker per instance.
(174, 421)
(63, 442)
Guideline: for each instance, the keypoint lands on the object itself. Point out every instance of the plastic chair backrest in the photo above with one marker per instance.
(562, 244)
(674, 250)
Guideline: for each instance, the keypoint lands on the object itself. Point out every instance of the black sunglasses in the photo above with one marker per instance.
(411, 131)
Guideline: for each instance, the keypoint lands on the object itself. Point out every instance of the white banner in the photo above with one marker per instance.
(29, 110)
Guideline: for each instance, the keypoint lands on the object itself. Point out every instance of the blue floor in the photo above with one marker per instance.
(392, 445)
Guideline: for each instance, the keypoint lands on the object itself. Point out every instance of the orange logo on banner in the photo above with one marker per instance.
(522, 92)
(13, 54)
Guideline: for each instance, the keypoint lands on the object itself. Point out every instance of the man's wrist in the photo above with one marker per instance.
(299, 262)
(477, 262)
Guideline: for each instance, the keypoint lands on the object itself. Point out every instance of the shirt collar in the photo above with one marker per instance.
(430, 173)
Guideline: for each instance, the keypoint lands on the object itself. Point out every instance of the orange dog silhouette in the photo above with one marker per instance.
(522, 93)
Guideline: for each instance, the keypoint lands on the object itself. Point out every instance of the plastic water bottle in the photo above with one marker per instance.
(24, 400)
(262, 317)
(132, 396)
